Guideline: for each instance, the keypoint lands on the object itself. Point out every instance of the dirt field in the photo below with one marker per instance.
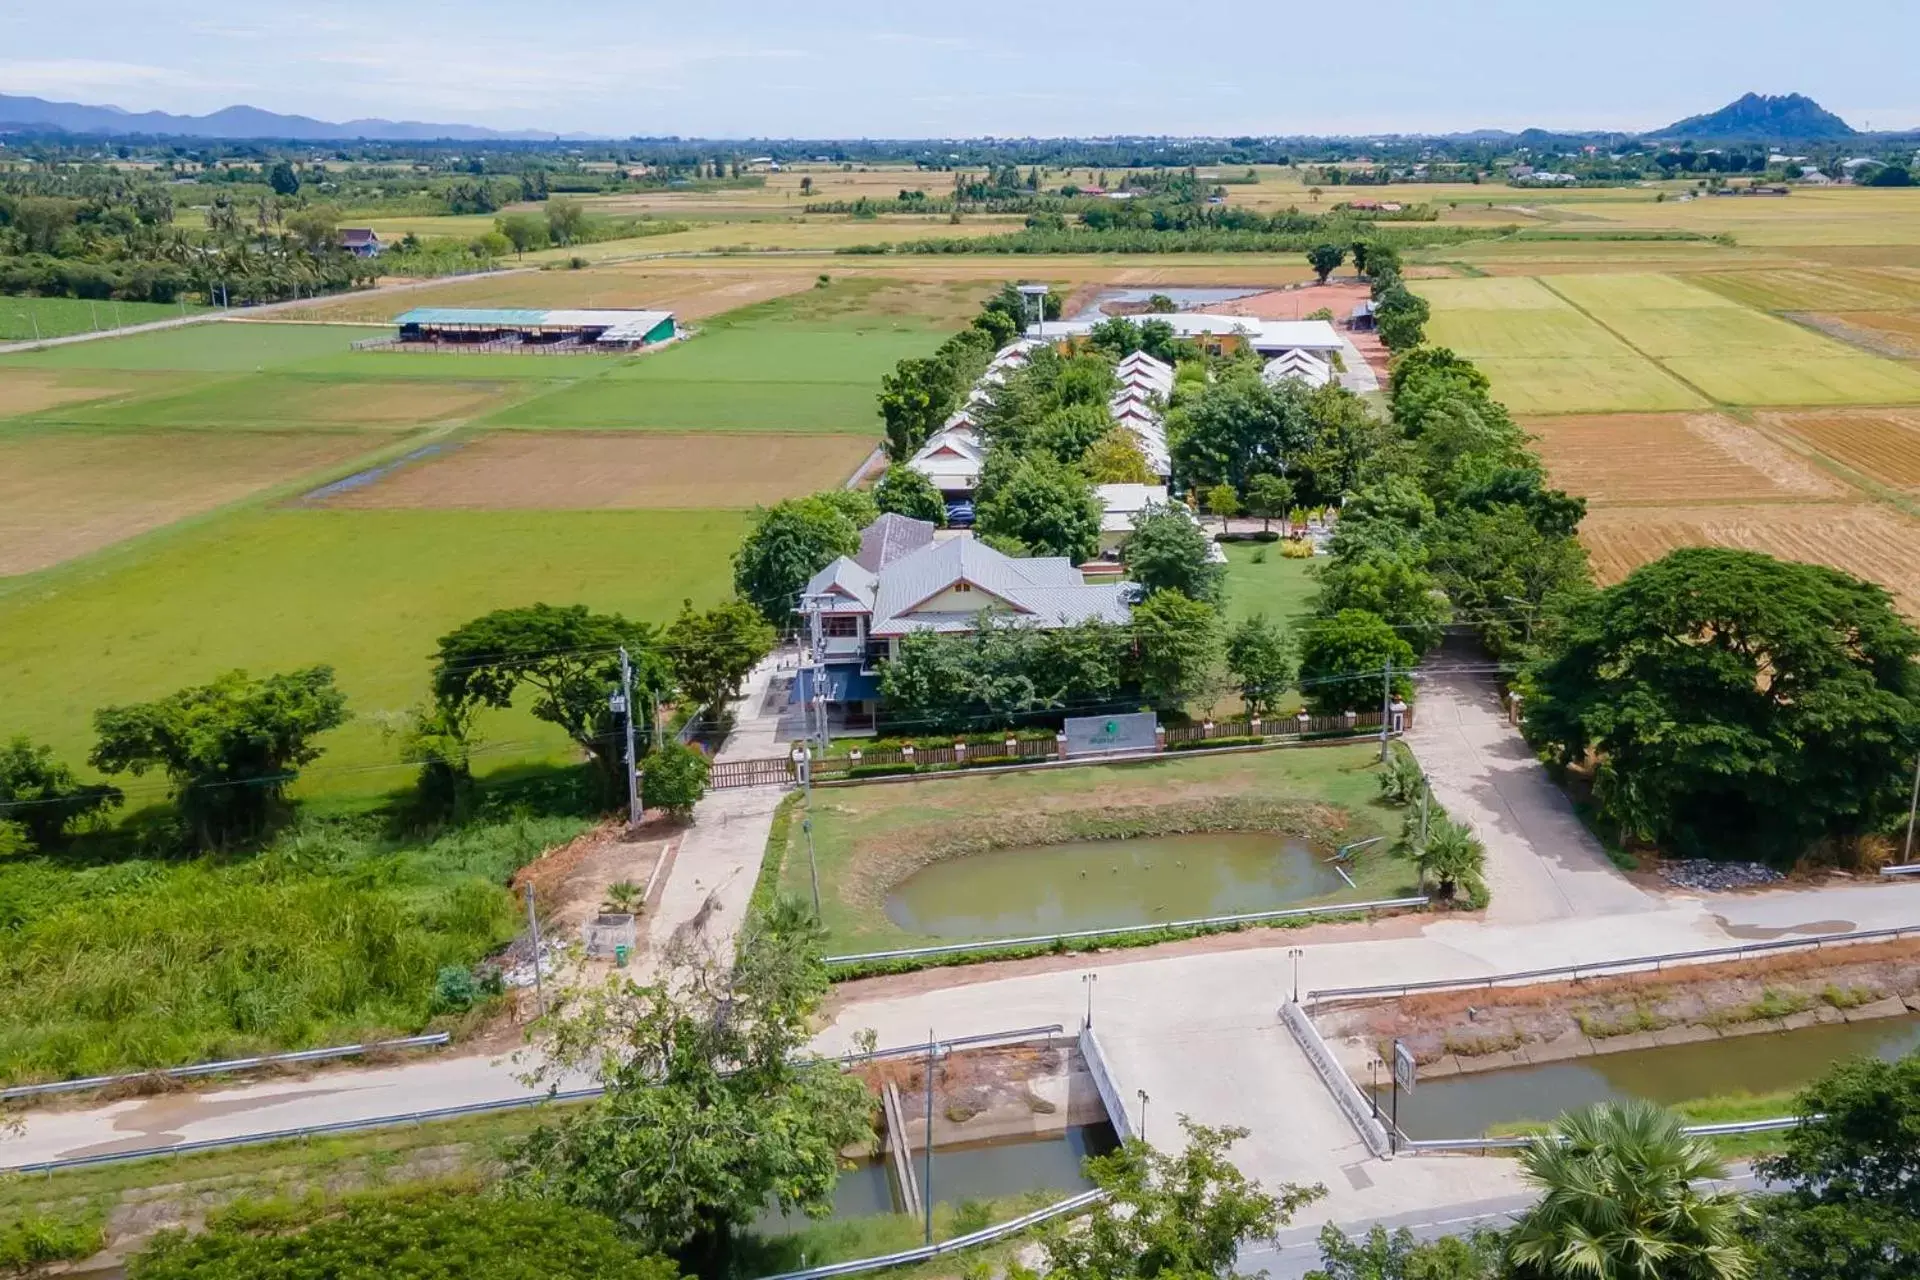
(387, 404)
(65, 495)
(595, 470)
(1891, 333)
(1870, 542)
(1884, 443)
(1701, 458)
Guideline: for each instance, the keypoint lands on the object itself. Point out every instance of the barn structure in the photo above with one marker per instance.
(510, 329)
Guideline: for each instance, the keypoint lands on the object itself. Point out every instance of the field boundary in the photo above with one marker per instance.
(1713, 401)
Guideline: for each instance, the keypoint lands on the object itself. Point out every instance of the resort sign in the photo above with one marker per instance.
(1107, 735)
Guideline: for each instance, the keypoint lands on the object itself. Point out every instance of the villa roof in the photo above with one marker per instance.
(891, 537)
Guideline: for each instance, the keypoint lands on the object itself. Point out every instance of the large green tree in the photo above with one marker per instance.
(1051, 509)
(1261, 661)
(715, 1108)
(1240, 427)
(1735, 704)
(712, 651)
(1396, 587)
(1169, 551)
(1172, 1217)
(231, 748)
(42, 796)
(790, 542)
(410, 1235)
(1344, 659)
(1621, 1200)
(907, 492)
(1178, 647)
(1399, 1256)
(569, 656)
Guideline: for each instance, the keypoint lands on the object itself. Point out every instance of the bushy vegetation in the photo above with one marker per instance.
(333, 932)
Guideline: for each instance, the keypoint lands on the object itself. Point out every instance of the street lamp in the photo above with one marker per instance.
(1143, 1113)
(1087, 980)
(1294, 954)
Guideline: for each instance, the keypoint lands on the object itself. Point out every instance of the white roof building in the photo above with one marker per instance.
(1302, 365)
(951, 458)
(1268, 337)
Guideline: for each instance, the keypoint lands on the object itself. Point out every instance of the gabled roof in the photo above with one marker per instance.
(1300, 365)
(358, 235)
(891, 537)
(850, 583)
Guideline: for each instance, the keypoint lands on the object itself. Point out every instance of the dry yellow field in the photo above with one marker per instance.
(63, 495)
(1867, 540)
(24, 391)
(584, 470)
(1658, 459)
(1883, 444)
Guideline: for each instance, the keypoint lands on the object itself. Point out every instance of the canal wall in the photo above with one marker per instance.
(1492, 1029)
(1028, 1090)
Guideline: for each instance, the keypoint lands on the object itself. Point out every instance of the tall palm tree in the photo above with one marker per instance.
(1620, 1202)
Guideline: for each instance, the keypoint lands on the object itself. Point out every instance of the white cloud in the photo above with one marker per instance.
(75, 75)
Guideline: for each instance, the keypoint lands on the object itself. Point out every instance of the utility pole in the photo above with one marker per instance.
(626, 708)
(817, 666)
(1386, 709)
(533, 925)
(1913, 807)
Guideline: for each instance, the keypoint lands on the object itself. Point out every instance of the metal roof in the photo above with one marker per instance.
(619, 326)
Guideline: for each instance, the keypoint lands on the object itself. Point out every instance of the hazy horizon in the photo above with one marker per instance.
(762, 70)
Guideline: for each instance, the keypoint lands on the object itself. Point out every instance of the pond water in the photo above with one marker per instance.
(1187, 299)
(1468, 1105)
(1102, 884)
(974, 1171)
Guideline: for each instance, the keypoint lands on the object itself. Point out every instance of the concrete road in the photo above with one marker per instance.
(1542, 862)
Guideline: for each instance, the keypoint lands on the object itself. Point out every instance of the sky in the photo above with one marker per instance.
(904, 68)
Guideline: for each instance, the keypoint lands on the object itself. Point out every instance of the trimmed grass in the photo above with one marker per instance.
(1282, 589)
(214, 347)
(368, 592)
(867, 837)
(827, 408)
(273, 400)
(23, 318)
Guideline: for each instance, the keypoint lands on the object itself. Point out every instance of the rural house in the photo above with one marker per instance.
(903, 581)
(361, 242)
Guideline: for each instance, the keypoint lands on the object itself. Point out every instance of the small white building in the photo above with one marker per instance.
(1302, 366)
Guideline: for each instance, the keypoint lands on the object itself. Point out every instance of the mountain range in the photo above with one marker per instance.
(1786, 118)
(18, 113)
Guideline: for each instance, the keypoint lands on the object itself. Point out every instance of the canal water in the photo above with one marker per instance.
(1468, 1105)
(975, 1171)
(1103, 884)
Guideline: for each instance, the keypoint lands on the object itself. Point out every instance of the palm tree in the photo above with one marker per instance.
(1452, 860)
(1620, 1202)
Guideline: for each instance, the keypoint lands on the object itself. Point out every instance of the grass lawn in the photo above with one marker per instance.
(715, 405)
(260, 401)
(1280, 588)
(214, 347)
(368, 592)
(868, 838)
(23, 318)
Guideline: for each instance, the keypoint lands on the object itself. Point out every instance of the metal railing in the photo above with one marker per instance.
(433, 1041)
(1601, 968)
(986, 1235)
(1904, 869)
(1418, 1146)
(1253, 917)
(469, 1109)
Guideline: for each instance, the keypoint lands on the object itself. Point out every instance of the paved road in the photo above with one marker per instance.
(1542, 862)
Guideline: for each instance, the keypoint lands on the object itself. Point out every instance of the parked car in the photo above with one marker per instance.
(960, 515)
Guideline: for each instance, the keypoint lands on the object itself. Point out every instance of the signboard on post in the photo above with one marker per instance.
(1108, 735)
(1403, 1067)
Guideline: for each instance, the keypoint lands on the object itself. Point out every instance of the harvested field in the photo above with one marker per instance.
(63, 495)
(1651, 459)
(1817, 289)
(1884, 444)
(1887, 333)
(1868, 541)
(572, 471)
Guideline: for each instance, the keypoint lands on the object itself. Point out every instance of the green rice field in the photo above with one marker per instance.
(367, 591)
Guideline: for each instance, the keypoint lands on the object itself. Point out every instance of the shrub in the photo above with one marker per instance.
(674, 778)
(1401, 781)
(31, 1241)
(1296, 549)
(881, 770)
(1201, 744)
(454, 990)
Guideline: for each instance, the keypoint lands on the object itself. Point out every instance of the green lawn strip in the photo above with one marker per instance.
(366, 591)
(845, 1239)
(868, 837)
(214, 347)
(282, 399)
(25, 319)
(1726, 1108)
(718, 405)
(1280, 588)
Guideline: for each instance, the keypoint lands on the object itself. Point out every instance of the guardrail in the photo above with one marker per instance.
(470, 1109)
(1253, 917)
(986, 1235)
(1418, 1146)
(1904, 869)
(1599, 968)
(433, 1041)
(1346, 1094)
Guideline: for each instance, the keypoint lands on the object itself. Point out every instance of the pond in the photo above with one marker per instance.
(1103, 884)
(973, 1171)
(1468, 1105)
